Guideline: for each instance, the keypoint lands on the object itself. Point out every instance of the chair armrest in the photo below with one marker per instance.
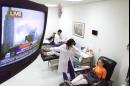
(86, 67)
(81, 68)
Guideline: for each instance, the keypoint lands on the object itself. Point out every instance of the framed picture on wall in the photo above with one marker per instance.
(79, 29)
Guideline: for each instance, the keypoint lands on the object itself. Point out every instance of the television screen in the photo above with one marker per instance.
(22, 31)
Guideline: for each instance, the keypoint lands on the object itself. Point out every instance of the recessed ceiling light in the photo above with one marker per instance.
(51, 5)
(75, 0)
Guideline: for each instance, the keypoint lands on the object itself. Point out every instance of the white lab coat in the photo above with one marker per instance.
(57, 39)
(66, 55)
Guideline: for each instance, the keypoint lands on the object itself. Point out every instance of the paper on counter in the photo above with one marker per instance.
(84, 55)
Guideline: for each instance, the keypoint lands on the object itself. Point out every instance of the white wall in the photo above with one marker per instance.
(52, 22)
(111, 19)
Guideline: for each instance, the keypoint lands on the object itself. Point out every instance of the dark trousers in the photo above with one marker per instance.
(71, 72)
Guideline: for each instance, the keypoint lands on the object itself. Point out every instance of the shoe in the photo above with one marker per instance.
(69, 83)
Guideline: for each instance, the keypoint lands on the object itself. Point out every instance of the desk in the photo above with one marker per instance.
(45, 49)
(49, 57)
(52, 59)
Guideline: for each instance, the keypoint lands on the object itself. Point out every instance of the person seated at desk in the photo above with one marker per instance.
(67, 54)
(58, 38)
(51, 38)
(93, 77)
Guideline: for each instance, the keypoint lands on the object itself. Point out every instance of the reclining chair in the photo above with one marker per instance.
(110, 66)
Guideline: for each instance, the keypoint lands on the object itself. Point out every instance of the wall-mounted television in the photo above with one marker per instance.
(22, 30)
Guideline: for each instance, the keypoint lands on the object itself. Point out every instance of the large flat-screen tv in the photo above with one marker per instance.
(22, 29)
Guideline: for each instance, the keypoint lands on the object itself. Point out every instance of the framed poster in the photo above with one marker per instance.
(79, 29)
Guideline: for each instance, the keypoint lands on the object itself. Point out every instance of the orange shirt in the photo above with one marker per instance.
(100, 71)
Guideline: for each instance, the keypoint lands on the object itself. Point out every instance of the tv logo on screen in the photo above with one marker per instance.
(13, 13)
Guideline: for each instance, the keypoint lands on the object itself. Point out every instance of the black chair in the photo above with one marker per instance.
(110, 66)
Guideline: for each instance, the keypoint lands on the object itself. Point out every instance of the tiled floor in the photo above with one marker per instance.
(37, 74)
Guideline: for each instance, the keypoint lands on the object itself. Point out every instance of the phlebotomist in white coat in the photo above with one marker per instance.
(67, 52)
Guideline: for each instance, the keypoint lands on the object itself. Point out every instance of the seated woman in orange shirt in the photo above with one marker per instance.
(98, 73)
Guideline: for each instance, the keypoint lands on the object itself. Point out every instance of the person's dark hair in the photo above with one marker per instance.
(52, 37)
(70, 43)
(103, 61)
(60, 31)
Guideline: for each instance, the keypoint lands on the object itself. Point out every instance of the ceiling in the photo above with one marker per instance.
(54, 3)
